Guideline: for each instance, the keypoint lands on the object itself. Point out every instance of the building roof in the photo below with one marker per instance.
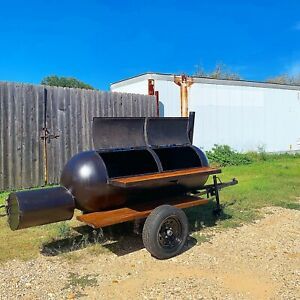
(197, 79)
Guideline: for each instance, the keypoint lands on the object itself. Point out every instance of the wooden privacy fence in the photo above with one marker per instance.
(42, 127)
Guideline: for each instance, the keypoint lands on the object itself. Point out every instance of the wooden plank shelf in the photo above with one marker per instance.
(157, 177)
(138, 211)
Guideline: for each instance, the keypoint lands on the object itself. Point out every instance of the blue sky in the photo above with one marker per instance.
(104, 41)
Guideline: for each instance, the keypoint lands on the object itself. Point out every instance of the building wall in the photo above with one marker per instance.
(169, 98)
(242, 116)
(139, 87)
(246, 118)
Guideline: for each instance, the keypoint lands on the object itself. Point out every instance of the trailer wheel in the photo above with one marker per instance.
(165, 231)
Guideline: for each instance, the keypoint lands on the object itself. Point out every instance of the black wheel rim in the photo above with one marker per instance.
(170, 233)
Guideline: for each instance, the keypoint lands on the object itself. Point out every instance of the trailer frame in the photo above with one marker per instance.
(142, 210)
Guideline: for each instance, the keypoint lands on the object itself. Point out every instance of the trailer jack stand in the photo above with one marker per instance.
(212, 190)
(218, 210)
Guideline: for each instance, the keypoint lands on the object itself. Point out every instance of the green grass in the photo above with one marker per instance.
(23, 244)
(75, 280)
(271, 182)
(274, 181)
(78, 283)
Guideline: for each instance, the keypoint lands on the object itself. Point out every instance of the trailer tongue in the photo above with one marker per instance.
(141, 167)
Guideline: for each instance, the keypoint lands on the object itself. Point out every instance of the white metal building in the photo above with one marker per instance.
(242, 114)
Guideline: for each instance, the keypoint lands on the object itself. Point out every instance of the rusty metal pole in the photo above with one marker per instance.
(151, 87)
(184, 82)
(45, 158)
(157, 103)
(46, 138)
(152, 92)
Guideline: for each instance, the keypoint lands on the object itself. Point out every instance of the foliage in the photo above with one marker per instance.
(221, 71)
(3, 197)
(66, 82)
(64, 230)
(201, 238)
(264, 156)
(78, 283)
(75, 280)
(285, 79)
(223, 155)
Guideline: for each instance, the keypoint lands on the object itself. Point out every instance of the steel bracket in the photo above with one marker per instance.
(48, 136)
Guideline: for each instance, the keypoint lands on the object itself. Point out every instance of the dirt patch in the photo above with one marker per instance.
(256, 261)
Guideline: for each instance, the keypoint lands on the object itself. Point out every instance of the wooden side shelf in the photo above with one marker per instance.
(156, 177)
(138, 211)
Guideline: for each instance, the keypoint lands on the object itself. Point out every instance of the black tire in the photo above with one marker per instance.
(165, 231)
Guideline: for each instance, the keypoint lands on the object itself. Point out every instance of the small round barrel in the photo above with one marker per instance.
(38, 207)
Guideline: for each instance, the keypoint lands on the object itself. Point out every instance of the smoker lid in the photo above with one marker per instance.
(125, 133)
(118, 133)
(167, 132)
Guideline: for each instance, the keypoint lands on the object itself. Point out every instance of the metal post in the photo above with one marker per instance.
(46, 138)
(157, 102)
(191, 126)
(151, 87)
(184, 82)
(216, 192)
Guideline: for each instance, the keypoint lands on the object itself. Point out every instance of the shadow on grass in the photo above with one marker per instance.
(120, 238)
(202, 216)
(84, 237)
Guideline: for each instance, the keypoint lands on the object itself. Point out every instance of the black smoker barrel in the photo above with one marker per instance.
(39, 207)
(124, 147)
(133, 147)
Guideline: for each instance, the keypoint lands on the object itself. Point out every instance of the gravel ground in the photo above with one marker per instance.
(256, 261)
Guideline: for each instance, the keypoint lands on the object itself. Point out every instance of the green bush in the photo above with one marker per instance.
(265, 156)
(223, 155)
(70, 82)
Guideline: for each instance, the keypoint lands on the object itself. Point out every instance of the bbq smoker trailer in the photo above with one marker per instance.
(143, 167)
